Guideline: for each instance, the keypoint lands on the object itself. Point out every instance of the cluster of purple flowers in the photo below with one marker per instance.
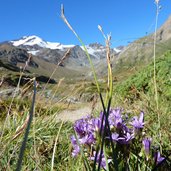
(86, 130)
(124, 131)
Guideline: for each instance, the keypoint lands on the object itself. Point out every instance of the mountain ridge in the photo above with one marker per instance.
(53, 51)
(34, 40)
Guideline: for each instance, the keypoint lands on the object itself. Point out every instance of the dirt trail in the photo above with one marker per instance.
(73, 115)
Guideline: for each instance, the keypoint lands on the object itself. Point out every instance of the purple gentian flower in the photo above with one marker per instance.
(147, 144)
(126, 138)
(73, 140)
(87, 139)
(95, 124)
(85, 130)
(115, 118)
(158, 158)
(80, 127)
(138, 123)
(76, 148)
(115, 136)
(103, 161)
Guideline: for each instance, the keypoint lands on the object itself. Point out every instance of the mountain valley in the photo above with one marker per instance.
(44, 57)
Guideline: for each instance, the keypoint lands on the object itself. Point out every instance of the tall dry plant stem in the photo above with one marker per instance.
(154, 58)
(55, 145)
(154, 55)
(110, 77)
(58, 64)
(85, 49)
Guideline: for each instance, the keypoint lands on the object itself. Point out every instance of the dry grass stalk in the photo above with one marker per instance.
(54, 148)
(7, 122)
(59, 84)
(94, 102)
(154, 55)
(154, 60)
(59, 63)
(20, 130)
(67, 23)
(27, 87)
(2, 80)
(107, 41)
(108, 59)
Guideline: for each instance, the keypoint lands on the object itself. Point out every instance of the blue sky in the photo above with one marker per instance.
(126, 20)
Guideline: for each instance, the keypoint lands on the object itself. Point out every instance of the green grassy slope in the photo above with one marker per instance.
(143, 80)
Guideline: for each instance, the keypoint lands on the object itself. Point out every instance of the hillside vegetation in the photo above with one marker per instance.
(142, 82)
(134, 94)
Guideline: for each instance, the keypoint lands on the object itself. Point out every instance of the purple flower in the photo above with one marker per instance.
(115, 136)
(103, 161)
(87, 133)
(85, 130)
(116, 112)
(76, 148)
(158, 158)
(87, 139)
(73, 140)
(95, 124)
(80, 127)
(126, 138)
(147, 144)
(115, 118)
(138, 123)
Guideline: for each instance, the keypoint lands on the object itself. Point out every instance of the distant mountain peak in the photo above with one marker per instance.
(31, 37)
(36, 45)
(96, 45)
(34, 42)
(29, 41)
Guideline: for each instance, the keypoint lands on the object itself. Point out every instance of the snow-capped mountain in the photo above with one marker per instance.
(30, 41)
(95, 49)
(99, 51)
(35, 40)
(53, 52)
(33, 44)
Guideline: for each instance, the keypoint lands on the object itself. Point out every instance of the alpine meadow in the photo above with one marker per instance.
(89, 107)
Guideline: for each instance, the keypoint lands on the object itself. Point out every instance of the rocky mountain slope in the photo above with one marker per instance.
(44, 56)
(10, 55)
(53, 52)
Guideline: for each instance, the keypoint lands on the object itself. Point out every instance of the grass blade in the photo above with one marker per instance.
(23, 146)
(85, 49)
(54, 149)
(86, 163)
